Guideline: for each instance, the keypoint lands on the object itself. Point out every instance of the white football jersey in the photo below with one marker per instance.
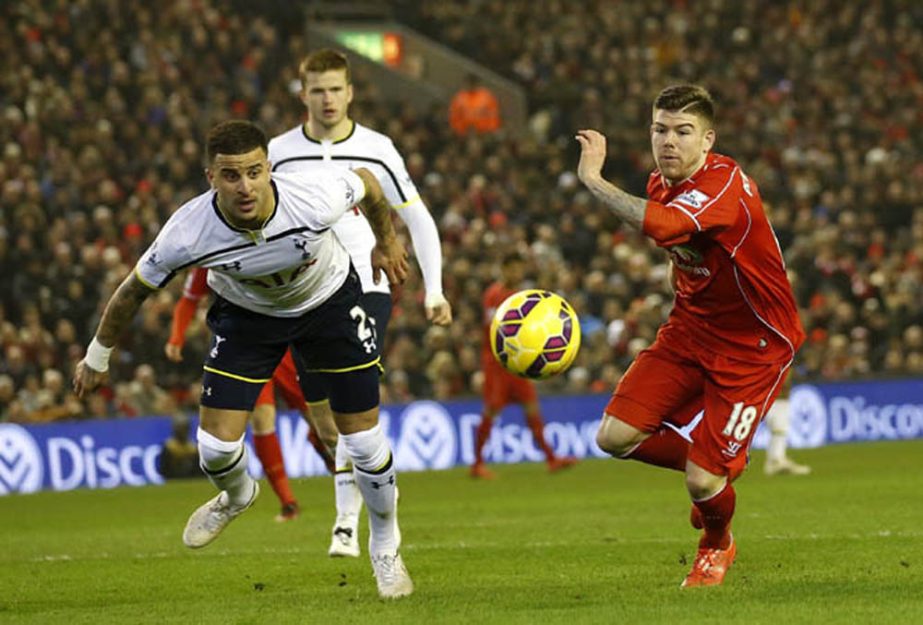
(363, 147)
(291, 265)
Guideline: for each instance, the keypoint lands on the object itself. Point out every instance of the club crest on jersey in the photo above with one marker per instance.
(302, 244)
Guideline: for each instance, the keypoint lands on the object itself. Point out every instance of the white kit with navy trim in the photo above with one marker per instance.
(363, 147)
(291, 265)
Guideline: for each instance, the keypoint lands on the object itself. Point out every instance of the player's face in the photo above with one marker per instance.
(680, 142)
(327, 96)
(245, 194)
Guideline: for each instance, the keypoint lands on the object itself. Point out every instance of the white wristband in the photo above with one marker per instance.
(97, 357)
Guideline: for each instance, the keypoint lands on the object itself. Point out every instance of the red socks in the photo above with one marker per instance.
(663, 448)
(716, 517)
(270, 454)
(538, 433)
(480, 438)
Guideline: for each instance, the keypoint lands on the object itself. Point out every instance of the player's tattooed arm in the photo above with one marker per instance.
(630, 208)
(388, 254)
(121, 309)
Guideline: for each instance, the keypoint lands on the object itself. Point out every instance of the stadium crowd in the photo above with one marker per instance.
(104, 110)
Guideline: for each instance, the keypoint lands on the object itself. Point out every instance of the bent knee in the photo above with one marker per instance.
(702, 484)
(616, 437)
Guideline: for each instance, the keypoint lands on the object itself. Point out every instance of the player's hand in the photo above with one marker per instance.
(87, 379)
(390, 257)
(438, 310)
(173, 352)
(592, 155)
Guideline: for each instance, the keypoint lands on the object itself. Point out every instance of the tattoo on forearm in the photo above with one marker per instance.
(629, 208)
(378, 212)
(121, 309)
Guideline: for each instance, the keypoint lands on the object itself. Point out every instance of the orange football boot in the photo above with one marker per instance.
(710, 566)
(559, 464)
(481, 472)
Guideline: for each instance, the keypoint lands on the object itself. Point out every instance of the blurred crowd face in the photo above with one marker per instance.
(327, 96)
(679, 142)
(244, 192)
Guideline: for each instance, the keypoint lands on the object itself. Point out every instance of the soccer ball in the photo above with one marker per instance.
(535, 334)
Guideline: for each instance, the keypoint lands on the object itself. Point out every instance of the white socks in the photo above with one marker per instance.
(777, 420)
(348, 497)
(225, 464)
(377, 480)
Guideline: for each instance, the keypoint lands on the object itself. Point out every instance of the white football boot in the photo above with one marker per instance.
(211, 518)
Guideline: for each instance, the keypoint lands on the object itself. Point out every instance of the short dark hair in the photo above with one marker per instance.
(693, 99)
(235, 137)
(324, 60)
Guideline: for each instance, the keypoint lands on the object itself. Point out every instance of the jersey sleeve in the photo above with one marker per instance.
(166, 255)
(713, 204)
(331, 193)
(397, 186)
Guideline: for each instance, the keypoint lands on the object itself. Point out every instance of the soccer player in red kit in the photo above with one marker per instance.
(265, 440)
(733, 331)
(500, 386)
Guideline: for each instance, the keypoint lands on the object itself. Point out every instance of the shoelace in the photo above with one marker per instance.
(387, 568)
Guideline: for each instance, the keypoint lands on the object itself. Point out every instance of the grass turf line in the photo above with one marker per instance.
(606, 542)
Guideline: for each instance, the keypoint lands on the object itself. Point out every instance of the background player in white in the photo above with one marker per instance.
(330, 136)
(281, 279)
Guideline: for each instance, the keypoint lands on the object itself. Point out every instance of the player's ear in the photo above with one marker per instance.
(710, 137)
(349, 93)
(210, 176)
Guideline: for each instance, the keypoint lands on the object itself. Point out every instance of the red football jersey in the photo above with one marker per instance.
(732, 295)
(493, 297)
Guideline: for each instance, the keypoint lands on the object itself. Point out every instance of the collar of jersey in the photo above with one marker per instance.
(304, 131)
(275, 208)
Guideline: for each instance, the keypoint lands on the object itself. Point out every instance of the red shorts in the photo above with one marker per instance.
(674, 377)
(286, 378)
(502, 387)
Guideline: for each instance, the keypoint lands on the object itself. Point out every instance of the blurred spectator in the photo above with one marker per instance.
(102, 120)
(474, 108)
(180, 456)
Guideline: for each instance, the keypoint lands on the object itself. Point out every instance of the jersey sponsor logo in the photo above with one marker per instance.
(232, 266)
(694, 198)
(21, 468)
(427, 439)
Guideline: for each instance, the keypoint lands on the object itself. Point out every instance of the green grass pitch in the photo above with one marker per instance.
(607, 542)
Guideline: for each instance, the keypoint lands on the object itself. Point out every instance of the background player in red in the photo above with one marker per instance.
(263, 418)
(500, 386)
(733, 331)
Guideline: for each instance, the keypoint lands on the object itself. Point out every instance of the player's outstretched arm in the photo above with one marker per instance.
(630, 208)
(120, 310)
(389, 254)
(425, 238)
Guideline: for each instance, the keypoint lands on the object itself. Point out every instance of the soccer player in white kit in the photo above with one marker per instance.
(330, 136)
(281, 279)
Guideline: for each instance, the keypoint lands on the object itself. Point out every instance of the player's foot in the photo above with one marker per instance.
(695, 517)
(289, 512)
(559, 464)
(481, 472)
(710, 566)
(208, 521)
(344, 543)
(785, 466)
(392, 576)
